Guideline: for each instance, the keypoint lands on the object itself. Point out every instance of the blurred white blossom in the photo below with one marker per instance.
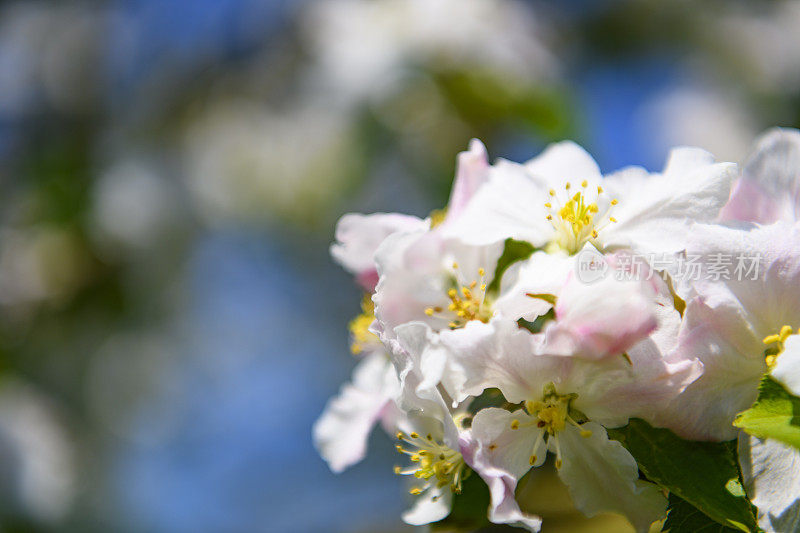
(133, 205)
(44, 263)
(245, 160)
(37, 477)
(703, 116)
(48, 54)
(766, 44)
(362, 48)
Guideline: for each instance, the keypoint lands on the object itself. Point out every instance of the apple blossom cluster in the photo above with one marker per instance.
(510, 331)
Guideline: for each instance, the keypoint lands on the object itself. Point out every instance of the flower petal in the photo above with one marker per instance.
(342, 432)
(472, 171)
(600, 319)
(769, 189)
(771, 474)
(502, 209)
(431, 506)
(732, 367)
(655, 212)
(562, 162)
(502, 457)
(358, 237)
(522, 284)
(602, 476)
(787, 366)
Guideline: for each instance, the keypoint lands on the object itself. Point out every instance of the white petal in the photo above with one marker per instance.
(342, 432)
(358, 237)
(542, 273)
(412, 358)
(562, 162)
(431, 506)
(510, 205)
(771, 474)
(506, 358)
(787, 367)
(655, 212)
(416, 271)
(602, 476)
(502, 458)
(685, 159)
(505, 448)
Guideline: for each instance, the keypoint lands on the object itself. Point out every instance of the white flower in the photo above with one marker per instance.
(567, 402)
(362, 48)
(428, 433)
(559, 201)
(342, 431)
(738, 327)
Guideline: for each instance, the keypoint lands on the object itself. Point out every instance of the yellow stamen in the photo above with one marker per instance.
(360, 335)
(436, 464)
(778, 340)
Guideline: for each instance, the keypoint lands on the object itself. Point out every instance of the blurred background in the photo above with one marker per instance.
(171, 171)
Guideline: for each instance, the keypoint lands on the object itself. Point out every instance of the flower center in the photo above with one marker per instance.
(432, 462)
(551, 415)
(576, 221)
(361, 338)
(776, 344)
(468, 301)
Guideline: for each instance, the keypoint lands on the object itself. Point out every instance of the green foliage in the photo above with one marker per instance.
(489, 398)
(683, 517)
(512, 252)
(775, 414)
(704, 474)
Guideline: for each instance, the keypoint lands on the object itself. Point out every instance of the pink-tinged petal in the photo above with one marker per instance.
(501, 456)
(733, 363)
(761, 280)
(602, 476)
(358, 237)
(771, 475)
(749, 202)
(342, 432)
(601, 319)
(472, 171)
(769, 189)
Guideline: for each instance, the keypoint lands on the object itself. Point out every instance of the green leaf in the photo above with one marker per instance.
(705, 474)
(683, 517)
(775, 415)
(512, 252)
